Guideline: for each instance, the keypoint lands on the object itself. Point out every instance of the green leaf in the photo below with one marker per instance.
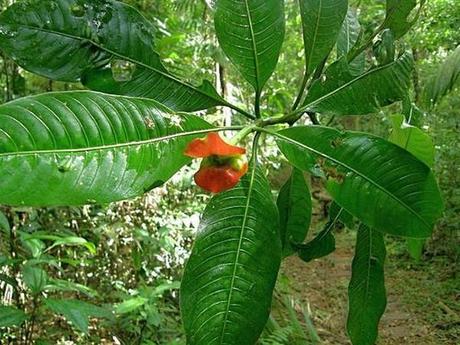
(63, 239)
(384, 49)
(399, 15)
(34, 246)
(341, 93)
(343, 216)
(74, 241)
(445, 80)
(35, 278)
(130, 305)
(376, 181)
(367, 296)
(251, 33)
(75, 148)
(228, 282)
(421, 146)
(4, 224)
(322, 21)
(106, 44)
(412, 139)
(77, 312)
(162, 288)
(68, 286)
(295, 208)
(322, 245)
(411, 111)
(415, 248)
(348, 37)
(10, 316)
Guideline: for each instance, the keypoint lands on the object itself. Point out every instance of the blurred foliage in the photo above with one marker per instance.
(129, 256)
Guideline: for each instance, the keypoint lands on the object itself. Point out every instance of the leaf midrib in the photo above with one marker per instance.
(368, 276)
(240, 242)
(402, 203)
(254, 45)
(313, 44)
(111, 146)
(368, 253)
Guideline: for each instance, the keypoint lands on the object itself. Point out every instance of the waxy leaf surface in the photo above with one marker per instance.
(75, 148)
(376, 181)
(228, 282)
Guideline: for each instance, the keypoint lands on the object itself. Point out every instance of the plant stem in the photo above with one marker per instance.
(290, 119)
(241, 111)
(313, 118)
(255, 149)
(257, 105)
(228, 128)
(306, 85)
(242, 134)
(30, 330)
(354, 53)
(303, 87)
(141, 335)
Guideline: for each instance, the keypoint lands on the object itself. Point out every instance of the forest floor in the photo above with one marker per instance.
(423, 298)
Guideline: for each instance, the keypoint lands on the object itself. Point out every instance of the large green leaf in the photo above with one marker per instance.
(348, 37)
(251, 33)
(228, 282)
(295, 209)
(376, 181)
(69, 40)
(77, 312)
(421, 145)
(75, 148)
(412, 139)
(322, 21)
(10, 316)
(35, 278)
(349, 33)
(445, 80)
(367, 296)
(341, 93)
(399, 15)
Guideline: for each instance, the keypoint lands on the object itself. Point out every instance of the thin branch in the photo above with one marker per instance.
(301, 92)
(257, 105)
(241, 111)
(354, 53)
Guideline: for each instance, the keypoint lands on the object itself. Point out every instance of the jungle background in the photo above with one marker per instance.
(129, 256)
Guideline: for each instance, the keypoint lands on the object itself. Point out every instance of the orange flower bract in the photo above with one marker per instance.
(212, 145)
(216, 179)
(223, 164)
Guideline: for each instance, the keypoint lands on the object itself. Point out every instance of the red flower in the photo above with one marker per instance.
(223, 164)
(212, 145)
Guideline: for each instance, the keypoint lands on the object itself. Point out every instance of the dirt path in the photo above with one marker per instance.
(322, 285)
